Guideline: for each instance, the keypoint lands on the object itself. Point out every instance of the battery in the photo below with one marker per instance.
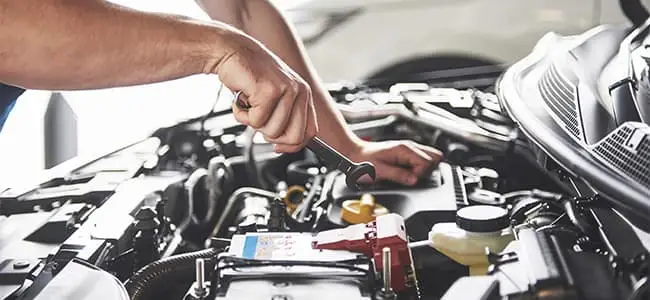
(284, 265)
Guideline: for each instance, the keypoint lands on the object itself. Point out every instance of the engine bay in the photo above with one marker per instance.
(205, 209)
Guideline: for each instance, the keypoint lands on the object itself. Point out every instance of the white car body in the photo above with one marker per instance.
(385, 33)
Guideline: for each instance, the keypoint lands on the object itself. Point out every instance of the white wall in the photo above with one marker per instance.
(106, 118)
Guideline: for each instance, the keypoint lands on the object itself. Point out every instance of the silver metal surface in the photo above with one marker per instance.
(385, 253)
(200, 274)
(433, 117)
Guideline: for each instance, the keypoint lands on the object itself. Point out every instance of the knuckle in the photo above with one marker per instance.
(276, 91)
(294, 139)
(305, 90)
(295, 86)
(269, 91)
(271, 133)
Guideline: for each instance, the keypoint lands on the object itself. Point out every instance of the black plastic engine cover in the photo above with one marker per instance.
(429, 202)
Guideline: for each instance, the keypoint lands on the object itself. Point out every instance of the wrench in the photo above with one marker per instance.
(353, 171)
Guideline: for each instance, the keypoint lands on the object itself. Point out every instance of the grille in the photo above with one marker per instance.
(560, 96)
(633, 161)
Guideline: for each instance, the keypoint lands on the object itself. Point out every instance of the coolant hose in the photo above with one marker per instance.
(157, 275)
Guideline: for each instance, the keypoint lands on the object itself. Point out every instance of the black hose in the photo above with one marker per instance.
(308, 202)
(254, 178)
(576, 217)
(158, 275)
(634, 11)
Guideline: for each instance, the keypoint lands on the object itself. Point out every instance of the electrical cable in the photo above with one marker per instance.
(155, 276)
(305, 207)
(206, 116)
(254, 178)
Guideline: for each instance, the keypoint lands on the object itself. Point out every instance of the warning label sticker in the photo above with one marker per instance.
(270, 247)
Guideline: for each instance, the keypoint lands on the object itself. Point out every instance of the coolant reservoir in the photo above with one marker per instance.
(477, 228)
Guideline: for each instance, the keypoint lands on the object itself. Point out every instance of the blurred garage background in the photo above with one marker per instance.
(347, 40)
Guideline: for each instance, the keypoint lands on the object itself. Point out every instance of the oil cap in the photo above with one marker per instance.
(482, 218)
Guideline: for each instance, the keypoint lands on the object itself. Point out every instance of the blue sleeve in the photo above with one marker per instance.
(8, 96)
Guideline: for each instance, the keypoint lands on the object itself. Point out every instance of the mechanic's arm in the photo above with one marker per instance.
(398, 161)
(84, 44)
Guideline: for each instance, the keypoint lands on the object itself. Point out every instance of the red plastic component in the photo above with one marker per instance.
(369, 239)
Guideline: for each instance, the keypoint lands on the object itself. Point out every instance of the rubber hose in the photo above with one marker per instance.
(218, 185)
(251, 164)
(576, 217)
(159, 274)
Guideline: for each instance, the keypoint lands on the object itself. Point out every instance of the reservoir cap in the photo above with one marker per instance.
(482, 218)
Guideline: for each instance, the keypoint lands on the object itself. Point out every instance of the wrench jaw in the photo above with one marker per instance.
(357, 171)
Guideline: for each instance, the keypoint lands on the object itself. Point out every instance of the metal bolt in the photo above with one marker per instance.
(21, 264)
(200, 289)
(200, 271)
(281, 284)
(387, 271)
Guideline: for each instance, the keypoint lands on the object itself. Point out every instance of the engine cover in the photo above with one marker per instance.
(434, 199)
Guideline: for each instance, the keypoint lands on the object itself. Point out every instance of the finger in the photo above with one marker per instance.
(396, 174)
(263, 103)
(425, 163)
(434, 153)
(310, 131)
(312, 128)
(280, 118)
(294, 133)
(406, 155)
(240, 115)
(283, 148)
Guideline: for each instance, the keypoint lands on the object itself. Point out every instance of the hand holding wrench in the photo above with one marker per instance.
(353, 171)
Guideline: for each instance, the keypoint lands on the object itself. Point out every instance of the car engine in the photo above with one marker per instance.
(205, 209)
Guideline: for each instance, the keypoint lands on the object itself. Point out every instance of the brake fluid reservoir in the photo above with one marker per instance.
(477, 228)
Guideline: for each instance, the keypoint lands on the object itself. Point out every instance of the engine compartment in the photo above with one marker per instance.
(205, 209)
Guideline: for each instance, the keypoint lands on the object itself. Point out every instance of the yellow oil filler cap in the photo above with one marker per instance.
(362, 211)
(293, 197)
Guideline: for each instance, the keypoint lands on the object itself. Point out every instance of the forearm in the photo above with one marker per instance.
(85, 44)
(263, 21)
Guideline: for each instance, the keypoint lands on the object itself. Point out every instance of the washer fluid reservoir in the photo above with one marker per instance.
(477, 228)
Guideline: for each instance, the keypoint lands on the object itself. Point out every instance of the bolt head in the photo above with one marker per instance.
(21, 264)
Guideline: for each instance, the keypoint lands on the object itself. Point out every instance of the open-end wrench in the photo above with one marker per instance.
(353, 171)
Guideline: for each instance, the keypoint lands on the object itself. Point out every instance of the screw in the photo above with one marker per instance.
(387, 271)
(281, 284)
(21, 264)
(200, 269)
(200, 290)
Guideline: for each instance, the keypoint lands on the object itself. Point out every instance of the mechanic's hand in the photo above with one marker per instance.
(281, 106)
(399, 161)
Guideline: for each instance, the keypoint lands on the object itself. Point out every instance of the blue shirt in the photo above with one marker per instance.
(8, 96)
